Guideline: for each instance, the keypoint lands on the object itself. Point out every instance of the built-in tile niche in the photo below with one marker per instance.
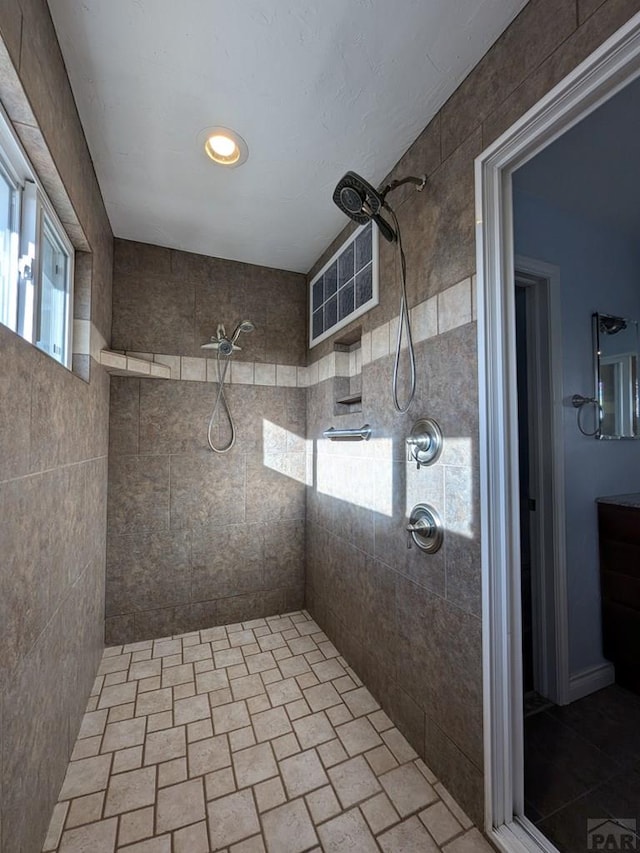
(347, 383)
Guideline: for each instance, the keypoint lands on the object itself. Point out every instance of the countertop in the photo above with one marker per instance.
(621, 500)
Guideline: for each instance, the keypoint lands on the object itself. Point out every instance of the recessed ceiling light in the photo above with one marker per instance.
(224, 146)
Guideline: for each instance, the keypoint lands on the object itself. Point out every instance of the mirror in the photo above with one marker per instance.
(616, 367)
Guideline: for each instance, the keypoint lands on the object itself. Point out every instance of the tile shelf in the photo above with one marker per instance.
(118, 364)
(350, 399)
(347, 388)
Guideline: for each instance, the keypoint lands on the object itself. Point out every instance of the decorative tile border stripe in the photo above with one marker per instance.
(448, 310)
(188, 368)
(87, 340)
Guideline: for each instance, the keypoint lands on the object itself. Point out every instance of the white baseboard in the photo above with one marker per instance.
(590, 679)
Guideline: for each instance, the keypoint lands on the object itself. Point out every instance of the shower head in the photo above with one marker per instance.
(361, 202)
(243, 326)
(357, 198)
(612, 325)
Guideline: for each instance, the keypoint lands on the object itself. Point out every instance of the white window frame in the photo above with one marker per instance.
(15, 164)
(11, 178)
(368, 305)
(46, 222)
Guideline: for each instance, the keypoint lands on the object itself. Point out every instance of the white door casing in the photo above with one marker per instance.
(549, 575)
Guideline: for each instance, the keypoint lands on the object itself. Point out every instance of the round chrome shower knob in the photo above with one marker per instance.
(425, 529)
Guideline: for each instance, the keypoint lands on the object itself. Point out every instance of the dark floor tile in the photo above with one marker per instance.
(620, 795)
(567, 828)
(560, 765)
(532, 813)
(581, 763)
(609, 719)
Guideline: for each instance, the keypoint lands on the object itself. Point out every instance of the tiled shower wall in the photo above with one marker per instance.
(410, 623)
(197, 539)
(53, 466)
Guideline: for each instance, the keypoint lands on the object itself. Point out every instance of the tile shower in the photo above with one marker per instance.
(197, 539)
(410, 628)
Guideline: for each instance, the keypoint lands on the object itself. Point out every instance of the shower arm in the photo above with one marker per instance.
(386, 230)
(419, 182)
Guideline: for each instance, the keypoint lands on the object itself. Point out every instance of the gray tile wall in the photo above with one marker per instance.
(195, 538)
(171, 302)
(53, 465)
(409, 623)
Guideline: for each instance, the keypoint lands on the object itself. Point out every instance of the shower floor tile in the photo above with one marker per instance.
(252, 737)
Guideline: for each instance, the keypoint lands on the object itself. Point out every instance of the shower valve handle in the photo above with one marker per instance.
(422, 442)
(420, 526)
(424, 528)
(418, 444)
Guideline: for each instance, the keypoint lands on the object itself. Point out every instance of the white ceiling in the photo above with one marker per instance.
(593, 170)
(315, 87)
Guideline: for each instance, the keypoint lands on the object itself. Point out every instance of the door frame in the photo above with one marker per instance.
(548, 539)
(612, 66)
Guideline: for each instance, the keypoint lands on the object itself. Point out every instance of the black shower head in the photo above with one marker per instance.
(612, 325)
(357, 198)
(361, 202)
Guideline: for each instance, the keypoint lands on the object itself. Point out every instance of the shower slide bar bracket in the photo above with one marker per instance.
(361, 434)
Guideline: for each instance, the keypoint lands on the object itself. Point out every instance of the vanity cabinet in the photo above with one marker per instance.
(619, 536)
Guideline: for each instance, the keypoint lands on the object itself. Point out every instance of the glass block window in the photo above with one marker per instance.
(346, 287)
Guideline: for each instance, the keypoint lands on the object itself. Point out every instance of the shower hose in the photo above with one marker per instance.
(404, 322)
(221, 399)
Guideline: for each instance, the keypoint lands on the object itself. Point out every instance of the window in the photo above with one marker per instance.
(346, 286)
(36, 256)
(53, 294)
(8, 249)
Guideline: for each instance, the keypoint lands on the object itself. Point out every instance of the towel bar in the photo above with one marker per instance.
(361, 434)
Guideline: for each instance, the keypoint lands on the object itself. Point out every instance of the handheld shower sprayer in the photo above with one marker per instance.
(243, 326)
(225, 347)
(360, 201)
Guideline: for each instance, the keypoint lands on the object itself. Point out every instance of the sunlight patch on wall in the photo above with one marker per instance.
(359, 473)
(287, 453)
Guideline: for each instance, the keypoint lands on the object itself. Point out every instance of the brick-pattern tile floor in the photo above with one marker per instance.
(244, 739)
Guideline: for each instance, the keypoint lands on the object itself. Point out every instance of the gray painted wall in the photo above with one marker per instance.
(599, 271)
